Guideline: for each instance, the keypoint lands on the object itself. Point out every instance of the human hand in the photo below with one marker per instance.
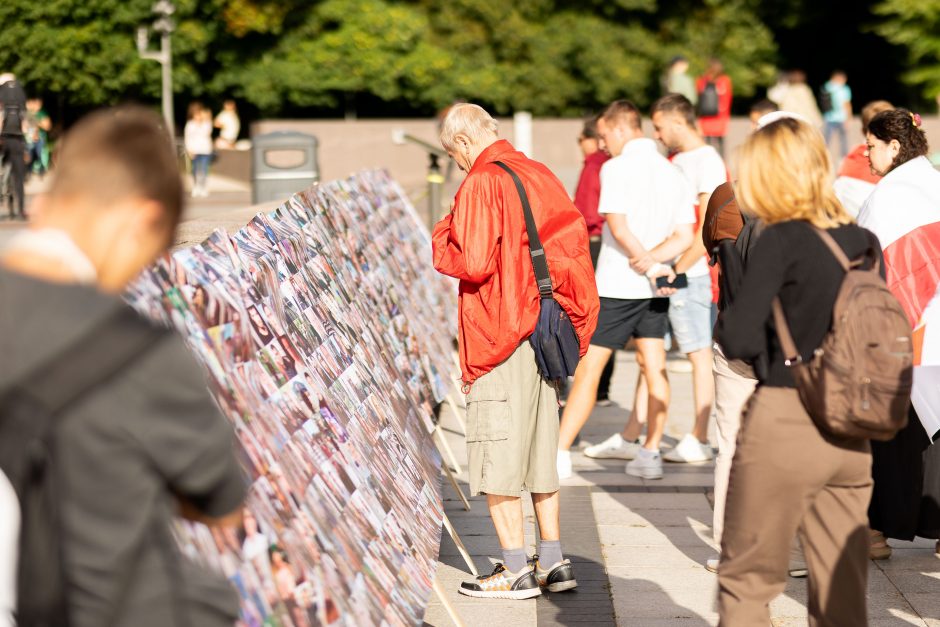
(643, 263)
(662, 271)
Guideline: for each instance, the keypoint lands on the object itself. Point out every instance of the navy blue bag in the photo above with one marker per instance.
(554, 340)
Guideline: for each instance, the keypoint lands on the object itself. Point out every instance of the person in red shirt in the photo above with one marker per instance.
(587, 195)
(512, 413)
(588, 192)
(715, 125)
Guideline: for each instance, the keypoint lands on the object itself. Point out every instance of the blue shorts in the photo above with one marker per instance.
(690, 315)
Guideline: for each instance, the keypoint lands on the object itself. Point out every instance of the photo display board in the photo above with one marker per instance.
(327, 338)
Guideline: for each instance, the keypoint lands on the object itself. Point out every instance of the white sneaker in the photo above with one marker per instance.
(563, 464)
(689, 450)
(647, 465)
(614, 447)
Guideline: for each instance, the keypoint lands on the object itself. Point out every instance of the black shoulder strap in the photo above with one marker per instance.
(539, 264)
(91, 360)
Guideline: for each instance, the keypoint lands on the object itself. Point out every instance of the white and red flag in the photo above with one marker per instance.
(904, 212)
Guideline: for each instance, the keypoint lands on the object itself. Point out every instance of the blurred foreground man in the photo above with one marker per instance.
(512, 413)
(133, 441)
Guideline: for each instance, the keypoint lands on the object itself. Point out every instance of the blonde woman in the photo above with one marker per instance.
(787, 477)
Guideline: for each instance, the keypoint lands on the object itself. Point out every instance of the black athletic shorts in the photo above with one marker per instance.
(620, 319)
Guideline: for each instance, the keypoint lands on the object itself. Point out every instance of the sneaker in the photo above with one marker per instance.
(502, 584)
(563, 464)
(647, 465)
(689, 450)
(711, 565)
(878, 549)
(603, 402)
(797, 571)
(557, 578)
(614, 447)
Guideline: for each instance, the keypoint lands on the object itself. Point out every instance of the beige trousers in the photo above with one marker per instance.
(788, 478)
(734, 384)
(512, 429)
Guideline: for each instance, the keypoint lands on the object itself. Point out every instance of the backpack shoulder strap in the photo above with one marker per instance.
(539, 263)
(791, 353)
(871, 252)
(90, 361)
(832, 245)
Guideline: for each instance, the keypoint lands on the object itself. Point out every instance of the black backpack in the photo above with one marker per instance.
(825, 100)
(29, 412)
(708, 100)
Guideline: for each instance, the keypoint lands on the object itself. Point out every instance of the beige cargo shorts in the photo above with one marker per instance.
(512, 429)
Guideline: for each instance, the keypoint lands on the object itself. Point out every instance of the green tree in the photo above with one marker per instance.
(729, 30)
(552, 57)
(915, 24)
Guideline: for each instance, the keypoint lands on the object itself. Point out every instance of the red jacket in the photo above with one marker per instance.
(716, 125)
(483, 243)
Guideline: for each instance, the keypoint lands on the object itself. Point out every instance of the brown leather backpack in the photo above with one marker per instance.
(858, 383)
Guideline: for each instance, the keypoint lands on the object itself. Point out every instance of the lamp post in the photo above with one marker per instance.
(163, 25)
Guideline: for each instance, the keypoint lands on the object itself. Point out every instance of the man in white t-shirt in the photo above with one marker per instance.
(649, 208)
(690, 309)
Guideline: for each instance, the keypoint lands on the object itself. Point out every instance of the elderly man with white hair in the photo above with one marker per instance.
(512, 412)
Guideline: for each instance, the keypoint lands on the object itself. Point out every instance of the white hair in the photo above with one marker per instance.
(470, 120)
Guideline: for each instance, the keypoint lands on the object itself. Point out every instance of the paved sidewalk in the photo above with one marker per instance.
(639, 546)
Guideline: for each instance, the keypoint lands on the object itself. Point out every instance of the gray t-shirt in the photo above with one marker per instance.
(123, 451)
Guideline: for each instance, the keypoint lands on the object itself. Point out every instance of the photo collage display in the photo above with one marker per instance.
(327, 338)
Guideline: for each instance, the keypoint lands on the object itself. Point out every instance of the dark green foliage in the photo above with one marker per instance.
(551, 57)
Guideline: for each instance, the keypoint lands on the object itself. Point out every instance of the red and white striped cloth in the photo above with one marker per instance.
(904, 212)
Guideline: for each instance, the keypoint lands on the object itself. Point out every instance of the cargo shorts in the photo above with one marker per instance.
(512, 429)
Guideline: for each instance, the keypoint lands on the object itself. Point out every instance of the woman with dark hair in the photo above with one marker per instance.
(855, 181)
(904, 212)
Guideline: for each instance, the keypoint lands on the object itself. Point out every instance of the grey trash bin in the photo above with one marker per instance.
(282, 164)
